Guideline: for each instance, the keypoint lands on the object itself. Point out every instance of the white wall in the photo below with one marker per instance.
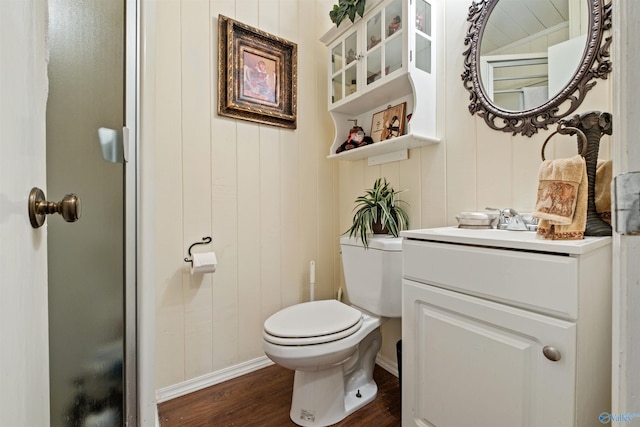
(24, 337)
(264, 194)
(270, 198)
(473, 168)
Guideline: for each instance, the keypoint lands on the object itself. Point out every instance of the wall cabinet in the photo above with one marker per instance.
(518, 337)
(385, 58)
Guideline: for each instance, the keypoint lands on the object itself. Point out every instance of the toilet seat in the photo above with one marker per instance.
(309, 323)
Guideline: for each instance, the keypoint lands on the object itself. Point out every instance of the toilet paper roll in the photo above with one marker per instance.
(205, 262)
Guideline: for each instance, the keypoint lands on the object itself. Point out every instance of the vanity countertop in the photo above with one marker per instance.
(523, 240)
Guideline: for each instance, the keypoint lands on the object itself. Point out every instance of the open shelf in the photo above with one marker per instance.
(399, 143)
(402, 61)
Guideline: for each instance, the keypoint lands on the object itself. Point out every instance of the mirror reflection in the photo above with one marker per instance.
(530, 50)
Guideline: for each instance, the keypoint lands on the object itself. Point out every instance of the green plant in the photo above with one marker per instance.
(377, 211)
(346, 8)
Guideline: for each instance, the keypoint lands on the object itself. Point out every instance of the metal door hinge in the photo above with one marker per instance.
(114, 144)
(626, 203)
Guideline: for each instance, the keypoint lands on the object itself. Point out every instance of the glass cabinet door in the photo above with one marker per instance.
(423, 35)
(384, 42)
(374, 48)
(393, 40)
(344, 68)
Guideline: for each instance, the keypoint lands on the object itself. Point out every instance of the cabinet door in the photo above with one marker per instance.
(384, 41)
(344, 67)
(423, 35)
(472, 362)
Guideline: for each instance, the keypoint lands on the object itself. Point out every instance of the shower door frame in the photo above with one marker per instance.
(132, 89)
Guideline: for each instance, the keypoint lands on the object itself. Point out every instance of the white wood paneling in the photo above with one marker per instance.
(290, 194)
(626, 158)
(263, 193)
(24, 348)
(475, 166)
(273, 202)
(270, 225)
(196, 86)
(249, 241)
(224, 215)
(168, 183)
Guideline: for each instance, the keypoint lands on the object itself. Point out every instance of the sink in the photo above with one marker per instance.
(487, 233)
(492, 237)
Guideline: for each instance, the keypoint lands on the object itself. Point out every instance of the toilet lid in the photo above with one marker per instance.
(312, 323)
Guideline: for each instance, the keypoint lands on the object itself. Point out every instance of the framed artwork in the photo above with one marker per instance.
(377, 125)
(388, 123)
(257, 75)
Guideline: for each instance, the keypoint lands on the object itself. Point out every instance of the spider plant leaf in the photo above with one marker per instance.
(378, 204)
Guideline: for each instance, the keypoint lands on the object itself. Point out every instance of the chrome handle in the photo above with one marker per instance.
(69, 207)
(551, 353)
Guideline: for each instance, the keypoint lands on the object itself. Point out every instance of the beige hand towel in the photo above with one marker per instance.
(562, 199)
(604, 176)
(558, 182)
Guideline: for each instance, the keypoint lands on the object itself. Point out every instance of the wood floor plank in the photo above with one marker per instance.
(263, 399)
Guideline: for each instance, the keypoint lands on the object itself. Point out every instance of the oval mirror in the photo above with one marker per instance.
(531, 62)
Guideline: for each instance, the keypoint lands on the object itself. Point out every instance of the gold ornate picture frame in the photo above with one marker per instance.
(257, 75)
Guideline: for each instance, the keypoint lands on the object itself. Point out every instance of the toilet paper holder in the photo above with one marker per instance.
(205, 240)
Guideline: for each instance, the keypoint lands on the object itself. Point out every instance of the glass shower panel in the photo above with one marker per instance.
(86, 259)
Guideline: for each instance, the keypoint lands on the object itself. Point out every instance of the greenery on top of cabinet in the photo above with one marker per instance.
(346, 8)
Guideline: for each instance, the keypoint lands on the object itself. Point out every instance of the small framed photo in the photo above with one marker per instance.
(388, 123)
(377, 125)
(257, 75)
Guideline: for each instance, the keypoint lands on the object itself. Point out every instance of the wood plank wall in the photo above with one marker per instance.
(269, 197)
(264, 194)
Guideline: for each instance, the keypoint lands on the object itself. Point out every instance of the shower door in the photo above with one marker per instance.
(87, 260)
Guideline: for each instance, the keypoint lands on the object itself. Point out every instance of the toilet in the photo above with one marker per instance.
(332, 346)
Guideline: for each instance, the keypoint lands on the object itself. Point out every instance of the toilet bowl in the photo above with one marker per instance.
(332, 346)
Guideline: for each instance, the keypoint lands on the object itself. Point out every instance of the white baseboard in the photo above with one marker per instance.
(204, 381)
(388, 365)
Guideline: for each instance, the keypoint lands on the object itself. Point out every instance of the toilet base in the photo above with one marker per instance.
(322, 398)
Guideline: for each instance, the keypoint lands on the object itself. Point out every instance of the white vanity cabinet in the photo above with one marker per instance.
(383, 59)
(501, 328)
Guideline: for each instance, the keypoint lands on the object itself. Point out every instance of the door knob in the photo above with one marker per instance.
(69, 207)
(551, 353)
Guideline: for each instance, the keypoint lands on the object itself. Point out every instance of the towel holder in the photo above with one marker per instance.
(205, 240)
(564, 131)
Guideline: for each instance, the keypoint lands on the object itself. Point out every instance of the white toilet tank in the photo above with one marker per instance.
(374, 276)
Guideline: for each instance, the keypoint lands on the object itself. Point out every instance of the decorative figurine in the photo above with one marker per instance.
(394, 25)
(420, 22)
(372, 42)
(356, 139)
(351, 55)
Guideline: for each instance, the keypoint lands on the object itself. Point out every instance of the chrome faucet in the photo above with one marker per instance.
(510, 219)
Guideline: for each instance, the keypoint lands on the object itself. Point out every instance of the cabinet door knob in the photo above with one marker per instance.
(551, 353)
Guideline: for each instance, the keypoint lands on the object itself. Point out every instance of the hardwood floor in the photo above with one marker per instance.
(263, 398)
